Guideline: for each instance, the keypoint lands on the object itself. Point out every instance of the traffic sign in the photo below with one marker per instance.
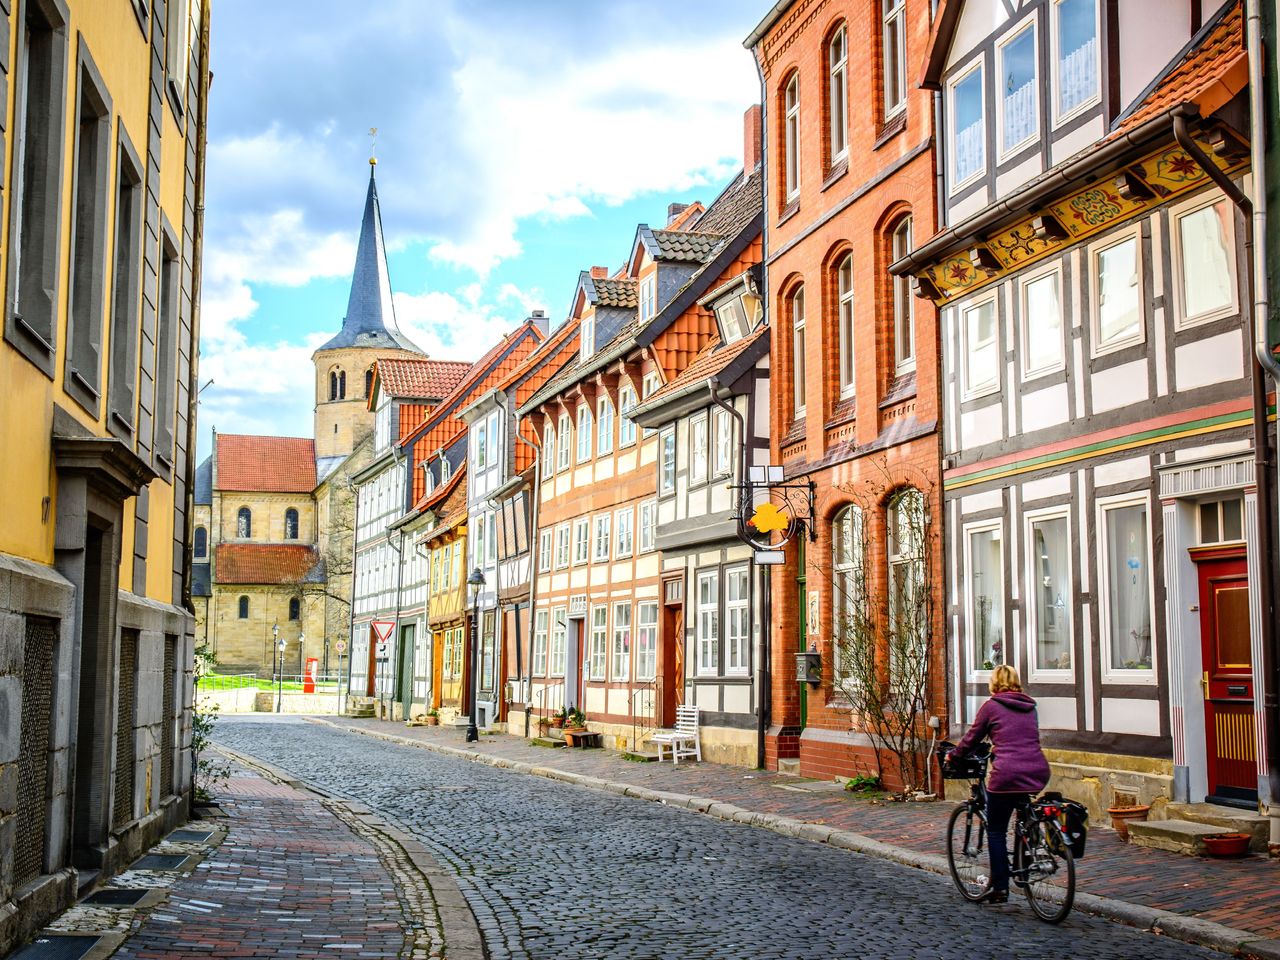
(340, 646)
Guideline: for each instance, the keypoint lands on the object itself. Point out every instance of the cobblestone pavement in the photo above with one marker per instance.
(555, 870)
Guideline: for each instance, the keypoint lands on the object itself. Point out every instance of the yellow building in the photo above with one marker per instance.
(100, 239)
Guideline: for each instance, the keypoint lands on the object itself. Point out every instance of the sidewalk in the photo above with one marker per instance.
(1240, 894)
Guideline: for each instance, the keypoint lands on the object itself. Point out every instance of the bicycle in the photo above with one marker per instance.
(1049, 833)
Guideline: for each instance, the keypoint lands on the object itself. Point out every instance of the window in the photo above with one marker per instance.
(986, 598)
(1206, 262)
(732, 320)
(838, 94)
(968, 126)
(294, 608)
(587, 338)
(621, 641)
(559, 638)
(648, 525)
(907, 601)
(482, 446)
(894, 40)
(623, 520)
(126, 292)
(667, 462)
(797, 352)
(982, 355)
(562, 546)
(581, 541)
(599, 650)
(1042, 348)
(1221, 521)
(737, 638)
(291, 524)
(562, 452)
(479, 531)
(708, 613)
(904, 314)
(176, 50)
(201, 545)
(791, 137)
(435, 571)
(1019, 91)
(1075, 55)
(1049, 586)
(626, 426)
(544, 551)
(491, 538)
(584, 433)
(446, 469)
(1117, 286)
(648, 296)
(844, 320)
(1126, 564)
(647, 640)
(337, 384)
(604, 427)
(540, 644)
(848, 541)
(548, 452)
(244, 523)
(697, 449)
(601, 552)
(724, 444)
(244, 608)
(368, 383)
(167, 347)
(648, 387)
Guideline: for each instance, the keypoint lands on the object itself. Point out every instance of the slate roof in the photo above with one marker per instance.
(273, 563)
(265, 464)
(616, 293)
(686, 245)
(203, 488)
(371, 314)
(409, 378)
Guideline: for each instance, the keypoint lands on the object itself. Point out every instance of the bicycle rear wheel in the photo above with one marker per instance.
(1046, 871)
(967, 854)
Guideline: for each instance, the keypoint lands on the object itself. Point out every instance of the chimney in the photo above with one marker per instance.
(599, 273)
(751, 139)
(674, 210)
(539, 319)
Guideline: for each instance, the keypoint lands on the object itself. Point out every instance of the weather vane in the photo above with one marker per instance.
(373, 146)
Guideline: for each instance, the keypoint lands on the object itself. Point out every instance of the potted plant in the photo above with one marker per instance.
(1122, 815)
(575, 720)
(432, 717)
(558, 718)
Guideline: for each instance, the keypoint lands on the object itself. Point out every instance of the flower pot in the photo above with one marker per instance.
(1121, 816)
(1227, 844)
(557, 723)
(432, 721)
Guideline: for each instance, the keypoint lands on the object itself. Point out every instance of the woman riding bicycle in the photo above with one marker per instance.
(1018, 767)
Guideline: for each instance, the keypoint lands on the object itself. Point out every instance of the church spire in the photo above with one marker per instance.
(371, 317)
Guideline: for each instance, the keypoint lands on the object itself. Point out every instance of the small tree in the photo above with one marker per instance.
(205, 771)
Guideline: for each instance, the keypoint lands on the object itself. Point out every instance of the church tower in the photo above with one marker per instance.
(344, 365)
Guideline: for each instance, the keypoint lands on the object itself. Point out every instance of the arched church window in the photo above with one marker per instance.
(244, 523)
(244, 608)
(342, 384)
(368, 383)
(201, 543)
(294, 610)
(291, 524)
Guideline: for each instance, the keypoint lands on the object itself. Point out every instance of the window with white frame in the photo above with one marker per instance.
(844, 322)
(648, 296)
(584, 433)
(697, 449)
(907, 598)
(587, 338)
(1126, 600)
(904, 312)
(1042, 342)
(737, 634)
(548, 452)
(667, 462)
(968, 127)
(1117, 294)
(646, 640)
(791, 137)
(986, 597)
(797, 352)
(601, 551)
(581, 541)
(894, 62)
(648, 387)
(1049, 585)
(562, 546)
(1018, 97)
(559, 641)
(1220, 521)
(1075, 55)
(621, 641)
(540, 620)
(1205, 259)
(708, 623)
(623, 521)
(604, 427)
(723, 461)
(491, 539)
(838, 94)
(848, 537)
(626, 426)
(982, 353)
(648, 525)
(732, 319)
(598, 653)
(494, 438)
(479, 528)
(544, 550)
(562, 452)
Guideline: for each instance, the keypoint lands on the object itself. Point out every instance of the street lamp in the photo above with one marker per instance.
(475, 583)
(279, 654)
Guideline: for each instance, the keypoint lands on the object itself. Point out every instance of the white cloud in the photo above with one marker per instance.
(459, 326)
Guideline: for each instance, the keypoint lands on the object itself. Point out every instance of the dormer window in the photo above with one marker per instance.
(732, 319)
(648, 296)
(446, 469)
(587, 337)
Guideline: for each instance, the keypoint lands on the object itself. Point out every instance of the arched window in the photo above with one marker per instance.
(904, 318)
(844, 299)
(797, 352)
(791, 137)
(244, 524)
(244, 608)
(294, 608)
(333, 384)
(907, 520)
(848, 593)
(368, 383)
(201, 545)
(342, 384)
(291, 524)
(838, 94)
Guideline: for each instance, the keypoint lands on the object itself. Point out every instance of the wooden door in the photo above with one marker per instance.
(1228, 675)
(671, 656)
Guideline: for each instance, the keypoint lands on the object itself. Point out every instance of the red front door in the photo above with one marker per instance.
(1228, 674)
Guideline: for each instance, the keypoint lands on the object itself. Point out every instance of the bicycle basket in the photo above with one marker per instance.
(1072, 817)
(964, 768)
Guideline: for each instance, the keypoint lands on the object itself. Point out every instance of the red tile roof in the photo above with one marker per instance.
(438, 495)
(713, 358)
(409, 378)
(264, 464)
(262, 563)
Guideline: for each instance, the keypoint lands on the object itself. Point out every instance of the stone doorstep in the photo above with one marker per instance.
(1228, 819)
(1176, 836)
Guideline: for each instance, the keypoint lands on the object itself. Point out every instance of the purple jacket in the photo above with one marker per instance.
(1008, 720)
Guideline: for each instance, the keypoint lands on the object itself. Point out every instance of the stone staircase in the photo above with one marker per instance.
(1189, 823)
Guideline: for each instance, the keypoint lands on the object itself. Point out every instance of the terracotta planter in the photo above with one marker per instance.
(432, 721)
(557, 723)
(1121, 816)
(1227, 845)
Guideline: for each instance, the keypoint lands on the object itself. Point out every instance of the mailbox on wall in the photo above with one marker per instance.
(809, 667)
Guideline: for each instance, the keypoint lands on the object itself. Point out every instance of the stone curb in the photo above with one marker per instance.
(1229, 940)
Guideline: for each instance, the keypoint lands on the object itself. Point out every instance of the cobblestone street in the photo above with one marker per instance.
(555, 870)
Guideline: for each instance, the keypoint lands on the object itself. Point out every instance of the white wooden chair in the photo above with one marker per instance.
(685, 740)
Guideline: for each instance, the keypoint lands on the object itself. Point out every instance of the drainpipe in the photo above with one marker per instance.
(533, 560)
(1254, 213)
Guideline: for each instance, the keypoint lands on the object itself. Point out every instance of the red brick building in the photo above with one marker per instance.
(854, 406)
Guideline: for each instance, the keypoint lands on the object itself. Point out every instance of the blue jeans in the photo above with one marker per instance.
(1000, 807)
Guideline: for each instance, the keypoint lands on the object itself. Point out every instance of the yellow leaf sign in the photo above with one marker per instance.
(769, 518)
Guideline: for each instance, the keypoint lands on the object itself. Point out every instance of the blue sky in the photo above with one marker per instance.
(518, 143)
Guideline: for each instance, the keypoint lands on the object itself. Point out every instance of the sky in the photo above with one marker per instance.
(518, 142)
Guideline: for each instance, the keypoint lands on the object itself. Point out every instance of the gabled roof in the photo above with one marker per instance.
(716, 358)
(684, 245)
(611, 292)
(273, 563)
(408, 378)
(250, 464)
(437, 496)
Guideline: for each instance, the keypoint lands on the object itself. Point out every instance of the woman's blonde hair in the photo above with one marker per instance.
(1005, 677)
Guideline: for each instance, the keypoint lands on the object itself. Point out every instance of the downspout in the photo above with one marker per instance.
(1255, 218)
(533, 560)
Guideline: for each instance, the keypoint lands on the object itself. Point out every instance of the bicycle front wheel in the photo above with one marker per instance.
(966, 852)
(1047, 874)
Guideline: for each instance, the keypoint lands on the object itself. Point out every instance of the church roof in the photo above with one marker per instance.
(250, 464)
(371, 315)
(204, 482)
(274, 563)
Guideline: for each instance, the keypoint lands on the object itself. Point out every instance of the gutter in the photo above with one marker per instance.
(765, 25)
